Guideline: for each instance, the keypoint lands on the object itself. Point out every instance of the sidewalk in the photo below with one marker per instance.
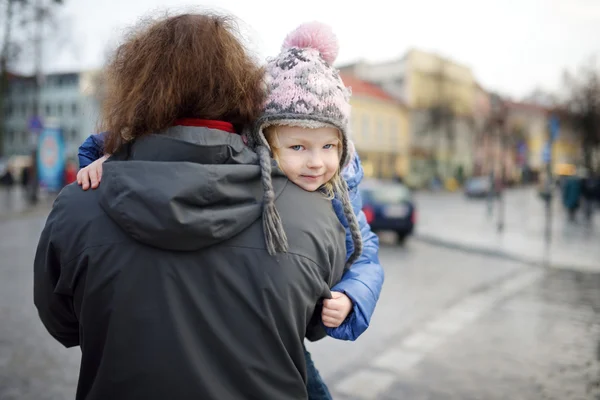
(452, 220)
(13, 202)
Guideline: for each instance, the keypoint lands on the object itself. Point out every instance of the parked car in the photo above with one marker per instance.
(389, 206)
(478, 186)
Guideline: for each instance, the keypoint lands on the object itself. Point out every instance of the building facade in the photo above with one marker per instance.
(66, 100)
(379, 130)
(440, 95)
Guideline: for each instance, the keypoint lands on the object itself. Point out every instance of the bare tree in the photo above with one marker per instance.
(7, 54)
(444, 120)
(29, 16)
(582, 104)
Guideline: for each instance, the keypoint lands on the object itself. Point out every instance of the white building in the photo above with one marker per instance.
(66, 100)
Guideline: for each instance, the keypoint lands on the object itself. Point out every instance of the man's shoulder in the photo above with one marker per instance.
(297, 203)
(308, 216)
(75, 207)
(72, 198)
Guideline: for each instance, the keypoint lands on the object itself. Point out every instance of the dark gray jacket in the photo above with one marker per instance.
(162, 276)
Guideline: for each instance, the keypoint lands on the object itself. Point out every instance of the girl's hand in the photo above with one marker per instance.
(91, 175)
(336, 309)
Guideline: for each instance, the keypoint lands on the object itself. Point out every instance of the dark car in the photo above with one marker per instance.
(388, 206)
(479, 186)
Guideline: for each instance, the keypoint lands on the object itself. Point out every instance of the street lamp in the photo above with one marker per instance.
(553, 128)
(498, 120)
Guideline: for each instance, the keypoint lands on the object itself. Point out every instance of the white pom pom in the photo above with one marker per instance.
(314, 35)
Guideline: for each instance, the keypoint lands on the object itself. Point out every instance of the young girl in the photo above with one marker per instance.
(304, 128)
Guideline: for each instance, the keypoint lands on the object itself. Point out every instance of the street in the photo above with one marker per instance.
(450, 324)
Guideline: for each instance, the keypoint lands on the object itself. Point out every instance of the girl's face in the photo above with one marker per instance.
(309, 157)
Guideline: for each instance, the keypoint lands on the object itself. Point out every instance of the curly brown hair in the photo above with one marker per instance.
(184, 66)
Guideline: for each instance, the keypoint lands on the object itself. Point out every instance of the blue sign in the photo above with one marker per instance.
(522, 153)
(51, 159)
(35, 124)
(554, 127)
(547, 152)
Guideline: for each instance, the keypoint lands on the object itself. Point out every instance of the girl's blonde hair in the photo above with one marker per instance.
(331, 187)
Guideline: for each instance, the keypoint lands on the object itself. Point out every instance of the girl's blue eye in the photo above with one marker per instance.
(296, 147)
(329, 146)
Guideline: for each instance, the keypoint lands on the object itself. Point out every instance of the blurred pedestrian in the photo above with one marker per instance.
(7, 179)
(310, 148)
(70, 173)
(173, 277)
(25, 176)
(571, 194)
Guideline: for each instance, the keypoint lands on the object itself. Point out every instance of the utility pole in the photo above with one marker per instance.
(39, 19)
(500, 127)
(496, 134)
(553, 128)
(4, 56)
(491, 162)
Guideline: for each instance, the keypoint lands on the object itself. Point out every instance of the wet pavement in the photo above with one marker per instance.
(572, 245)
(33, 366)
(14, 202)
(449, 324)
(541, 342)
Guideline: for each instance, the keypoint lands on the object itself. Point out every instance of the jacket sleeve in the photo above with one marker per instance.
(51, 296)
(91, 149)
(315, 329)
(363, 281)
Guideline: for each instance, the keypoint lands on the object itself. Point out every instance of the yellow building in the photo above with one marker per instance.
(533, 120)
(423, 82)
(379, 130)
(433, 80)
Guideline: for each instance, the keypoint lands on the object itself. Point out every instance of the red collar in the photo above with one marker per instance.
(206, 123)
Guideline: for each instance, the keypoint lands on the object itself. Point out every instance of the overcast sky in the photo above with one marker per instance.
(511, 45)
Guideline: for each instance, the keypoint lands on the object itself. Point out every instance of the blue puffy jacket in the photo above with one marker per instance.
(362, 282)
(91, 150)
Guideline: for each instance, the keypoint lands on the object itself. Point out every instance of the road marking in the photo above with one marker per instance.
(366, 384)
(369, 383)
(423, 341)
(398, 360)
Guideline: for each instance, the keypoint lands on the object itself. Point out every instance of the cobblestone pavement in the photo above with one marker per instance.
(449, 324)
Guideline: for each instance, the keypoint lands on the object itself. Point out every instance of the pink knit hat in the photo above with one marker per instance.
(304, 89)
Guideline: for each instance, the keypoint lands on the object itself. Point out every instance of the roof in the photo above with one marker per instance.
(11, 76)
(519, 105)
(366, 89)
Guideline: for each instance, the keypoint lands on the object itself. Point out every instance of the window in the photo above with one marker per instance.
(365, 126)
(394, 133)
(74, 108)
(48, 110)
(59, 110)
(380, 133)
(15, 87)
(394, 127)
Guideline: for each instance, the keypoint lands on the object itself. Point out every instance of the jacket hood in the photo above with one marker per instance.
(184, 189)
